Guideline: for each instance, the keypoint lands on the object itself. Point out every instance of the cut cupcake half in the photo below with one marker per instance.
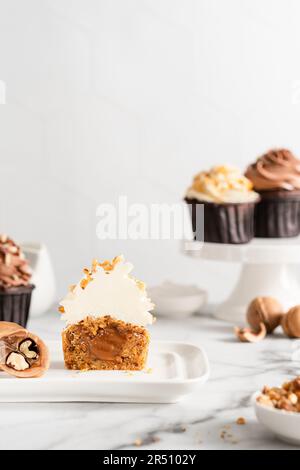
(106, 313)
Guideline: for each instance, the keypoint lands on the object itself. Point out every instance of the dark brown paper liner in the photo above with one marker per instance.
(277, 215)
(15, 304)
(224, 223)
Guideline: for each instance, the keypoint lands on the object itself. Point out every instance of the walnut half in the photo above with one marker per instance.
(24, 356)
(17, 361)
(29, 348)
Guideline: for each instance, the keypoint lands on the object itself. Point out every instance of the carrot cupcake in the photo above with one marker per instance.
(106, 315)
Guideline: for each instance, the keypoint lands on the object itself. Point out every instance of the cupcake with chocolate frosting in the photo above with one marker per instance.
(15, 287)
(276, 177)
(228, 200)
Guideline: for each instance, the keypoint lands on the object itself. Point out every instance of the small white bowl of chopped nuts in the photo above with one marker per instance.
(278, 409)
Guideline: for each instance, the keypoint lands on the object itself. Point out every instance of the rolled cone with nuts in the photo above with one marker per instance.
(291, 322)
(265, 310)
(22, 354)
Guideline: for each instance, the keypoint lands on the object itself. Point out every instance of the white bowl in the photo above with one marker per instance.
(284, 424)
(177, 300)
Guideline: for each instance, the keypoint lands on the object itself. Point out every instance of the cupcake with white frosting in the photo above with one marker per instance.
(228, 201)
(106, 316)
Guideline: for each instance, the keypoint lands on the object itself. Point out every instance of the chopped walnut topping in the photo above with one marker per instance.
(3, 238)
(7, 259)
(110, 265)
(16, 271)
(106, 265)
(94, 265)
(117, 259)
(83, 283)
(285, 398)
(141, 285)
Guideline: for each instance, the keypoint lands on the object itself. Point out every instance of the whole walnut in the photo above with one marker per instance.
(265, 310)
(291, 322)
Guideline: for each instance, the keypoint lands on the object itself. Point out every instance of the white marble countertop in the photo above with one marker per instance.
(198, 422)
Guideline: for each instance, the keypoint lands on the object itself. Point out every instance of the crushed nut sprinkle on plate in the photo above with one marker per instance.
(241, 421)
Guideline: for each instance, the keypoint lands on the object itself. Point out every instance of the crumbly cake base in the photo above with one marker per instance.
(105, 344)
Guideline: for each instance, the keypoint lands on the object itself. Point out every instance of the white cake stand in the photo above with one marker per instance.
(265, 272)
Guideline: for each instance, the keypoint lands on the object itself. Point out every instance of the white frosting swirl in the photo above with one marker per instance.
(222, 184)
(109, 292)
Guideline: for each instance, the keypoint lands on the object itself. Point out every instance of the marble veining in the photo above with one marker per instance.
(204, 420)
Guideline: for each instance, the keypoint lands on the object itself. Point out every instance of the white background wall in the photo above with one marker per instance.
(109, 97)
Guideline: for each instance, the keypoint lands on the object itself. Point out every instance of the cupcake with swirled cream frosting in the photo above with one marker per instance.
(15, 285)
(276, 177)
(228, 200)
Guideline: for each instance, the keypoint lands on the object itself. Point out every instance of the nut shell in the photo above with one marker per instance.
(8, 328)
(246, 335)
(265, 310)
(291, 322)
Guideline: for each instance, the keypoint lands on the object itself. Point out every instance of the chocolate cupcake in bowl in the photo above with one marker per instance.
(15, 286)
(229, 201)
(276, 177)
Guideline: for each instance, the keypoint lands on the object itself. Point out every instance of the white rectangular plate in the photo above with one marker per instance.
(173, 371)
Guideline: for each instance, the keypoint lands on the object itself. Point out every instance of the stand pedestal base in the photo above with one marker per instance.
(265, 272)
(255, 280)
